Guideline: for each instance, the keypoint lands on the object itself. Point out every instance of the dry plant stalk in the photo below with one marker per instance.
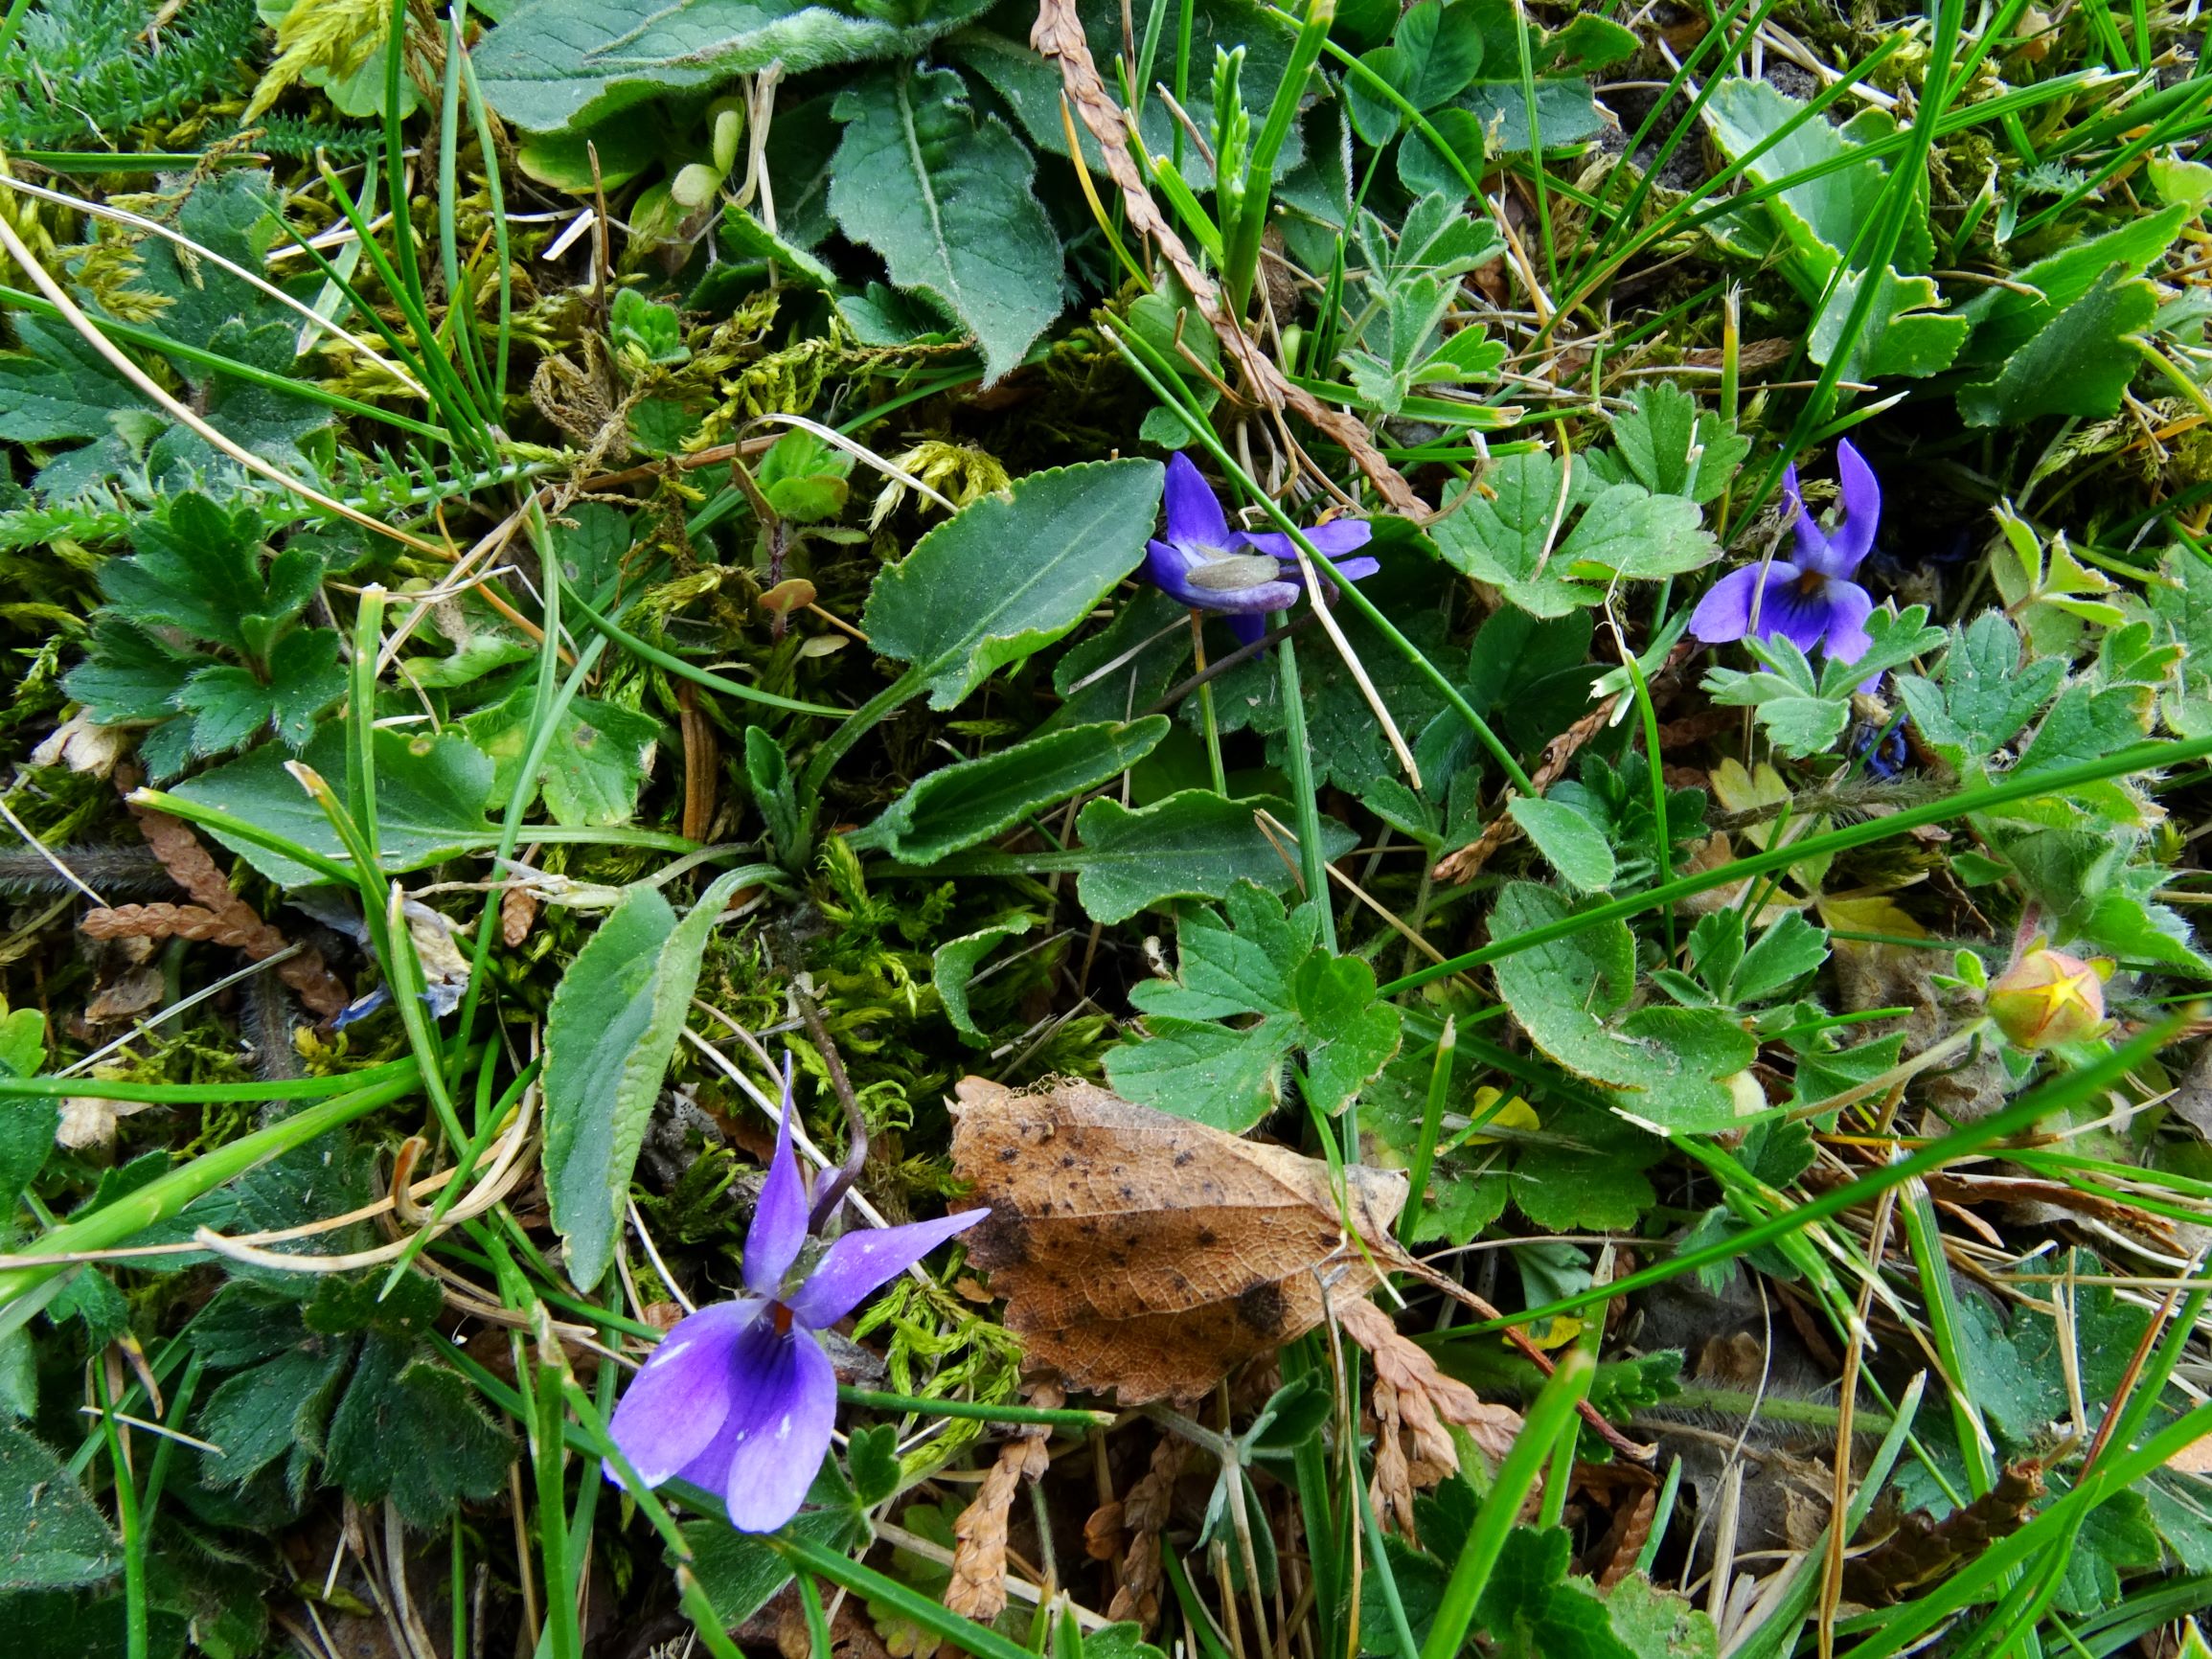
(1057, 35)
(1147, 1255)
(978, 1587)
(1144, 1513)
(1411, 1395)
(218, 916)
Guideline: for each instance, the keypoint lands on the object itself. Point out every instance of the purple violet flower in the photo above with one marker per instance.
(740, 1398)
(1811, 600)
(1242, 574)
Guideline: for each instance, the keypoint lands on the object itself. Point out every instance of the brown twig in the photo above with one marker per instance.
(1058, 36)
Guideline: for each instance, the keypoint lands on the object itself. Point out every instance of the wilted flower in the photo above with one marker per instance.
(740, 1398)
(1809, 600)
(2047, 998)
(1242, 574)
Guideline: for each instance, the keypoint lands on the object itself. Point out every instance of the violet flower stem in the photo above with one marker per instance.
(1206, 702)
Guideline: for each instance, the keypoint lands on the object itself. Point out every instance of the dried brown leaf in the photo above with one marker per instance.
(1147, 1255)
(240, 926)
(1624, 1541)
(159, 921)
(1924, 1551)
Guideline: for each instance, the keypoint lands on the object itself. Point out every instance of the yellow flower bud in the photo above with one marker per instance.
(2047, 998)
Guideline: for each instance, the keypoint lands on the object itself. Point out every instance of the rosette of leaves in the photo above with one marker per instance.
(1413, 282)
(941, 148)
(202, 636)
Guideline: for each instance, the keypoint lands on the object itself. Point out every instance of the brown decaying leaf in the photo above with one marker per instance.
(1923, 1549)
(1147, 1256)
(1624, 1541)
(978, 1587)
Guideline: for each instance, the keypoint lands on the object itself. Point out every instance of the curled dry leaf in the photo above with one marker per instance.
(1147, 1256)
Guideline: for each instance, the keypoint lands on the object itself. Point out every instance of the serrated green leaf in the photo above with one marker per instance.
(1272, 966)
(130, 677)
(1670, 445)
(410, 1430)
(945, 198)
(969, 802)
(2079, 362)
(559, 63)
(1570, 843)
(62, 389)
(1532, 1608)
(2006, 319)
(594, 768)
(1521, 540)
(263, 1412)
(1790, 949)
(1194, 844)
(613, 1025)
(1893, 638)
(1796, 721)
(51, 1534)
(1012, 574)
(1655, 1624)
(1667, 1065)
(1905, 330)
(1986, 695)
(874, 1456)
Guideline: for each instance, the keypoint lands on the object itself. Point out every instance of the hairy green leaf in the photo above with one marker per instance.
(51, 1535)
(945, 198)
(559, 63)
(612, 1027)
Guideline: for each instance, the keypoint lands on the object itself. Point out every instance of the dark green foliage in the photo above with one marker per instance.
(200, 574)
(85, 72)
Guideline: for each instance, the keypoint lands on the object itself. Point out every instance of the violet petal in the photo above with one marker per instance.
(1195, 516)
(1849, 606)
(1249, 627)
(1255, 601)
(1853, 538)
(860, 1260)
(1356, 569)
(779, 1229)
(771, 1445)
(1789, 610)
(1166, 566)
(1332, 541)
(1724, 613)
(676, 1404)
